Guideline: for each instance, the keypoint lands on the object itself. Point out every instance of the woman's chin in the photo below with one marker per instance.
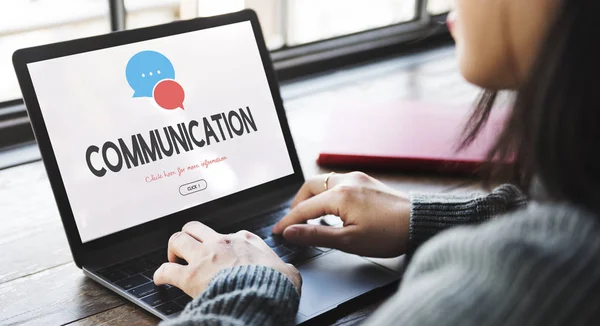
(473, 74)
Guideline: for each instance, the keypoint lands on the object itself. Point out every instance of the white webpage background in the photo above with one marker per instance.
(85, 100)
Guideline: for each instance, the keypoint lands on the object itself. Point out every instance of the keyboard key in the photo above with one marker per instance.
(132, 282)
(274, 241)
(146, 289)
(162, 296)
(175, 292)
(183, 300)
(270, 242)
(264, 232)
(147, 264)
(157, 257)
(113, 275)
(281, 251)
(302, 256)
(134, 267)
(149, 273)
(293, 247)
(155, 299)
(169, 308)
(276, 216)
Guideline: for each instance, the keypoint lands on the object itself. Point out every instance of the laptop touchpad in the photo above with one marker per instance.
(336, 278)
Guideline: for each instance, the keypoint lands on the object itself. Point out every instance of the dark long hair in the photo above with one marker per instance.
(553, 132)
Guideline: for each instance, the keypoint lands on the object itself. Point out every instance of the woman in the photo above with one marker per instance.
(538, 263)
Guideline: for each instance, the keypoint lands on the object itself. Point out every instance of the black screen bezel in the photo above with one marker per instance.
(40, 53)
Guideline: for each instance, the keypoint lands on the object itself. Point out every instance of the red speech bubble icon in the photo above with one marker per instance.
(169, 95)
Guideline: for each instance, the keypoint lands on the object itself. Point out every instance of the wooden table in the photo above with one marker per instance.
(40, 285)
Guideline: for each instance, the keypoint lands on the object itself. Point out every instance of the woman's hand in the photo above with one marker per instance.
(207, 252)
(376, 217)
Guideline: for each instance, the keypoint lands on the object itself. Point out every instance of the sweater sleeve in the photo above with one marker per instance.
(433, 213)
(537, 266)
(243, 295)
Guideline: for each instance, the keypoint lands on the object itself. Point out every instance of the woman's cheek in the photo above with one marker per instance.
(480, 30)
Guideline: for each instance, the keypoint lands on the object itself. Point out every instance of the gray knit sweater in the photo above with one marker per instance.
(537, 264)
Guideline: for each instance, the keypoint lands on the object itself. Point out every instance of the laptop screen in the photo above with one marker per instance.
(147, 129)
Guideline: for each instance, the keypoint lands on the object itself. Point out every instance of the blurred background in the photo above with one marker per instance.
(306, 38)
(287, 24)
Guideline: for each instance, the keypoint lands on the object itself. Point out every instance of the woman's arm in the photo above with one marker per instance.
(538, 266)
(433, 213)
(235, 279)
(243, 295)
(380, 221)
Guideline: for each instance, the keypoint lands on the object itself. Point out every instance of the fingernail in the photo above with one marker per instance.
(174, 236)
(291, 231)
(156, 272)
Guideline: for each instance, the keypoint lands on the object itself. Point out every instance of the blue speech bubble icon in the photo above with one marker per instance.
(145, 69)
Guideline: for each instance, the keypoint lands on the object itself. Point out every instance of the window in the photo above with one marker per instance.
(142, 13)
(288, 23)
(25, 23)
(314, 20)
(304, 36)
(437, 7)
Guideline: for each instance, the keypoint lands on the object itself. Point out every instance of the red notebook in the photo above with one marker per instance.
(405, 136)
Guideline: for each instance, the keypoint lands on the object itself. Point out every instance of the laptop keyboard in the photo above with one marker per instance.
(135, 276)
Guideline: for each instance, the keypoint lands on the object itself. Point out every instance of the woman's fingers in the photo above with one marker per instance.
(317, 206)
(200, 231)
(313, 187)
(182, 245)
(318, 235)
(170, 273)
(307, 190)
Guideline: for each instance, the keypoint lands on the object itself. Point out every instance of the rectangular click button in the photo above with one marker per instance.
(192, 187)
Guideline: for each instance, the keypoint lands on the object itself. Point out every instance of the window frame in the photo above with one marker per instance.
(289, 62)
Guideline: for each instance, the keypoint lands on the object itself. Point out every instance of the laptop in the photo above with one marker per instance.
(144, 130)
